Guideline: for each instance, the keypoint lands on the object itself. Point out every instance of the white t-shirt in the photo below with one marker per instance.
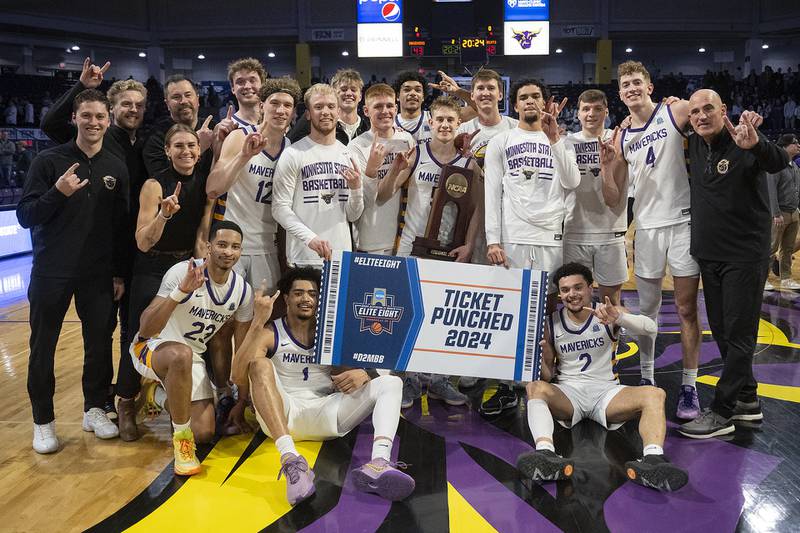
(249, 203)
(296, 365)
(525, 179)
(376, 229)
(422, 184)
(351, 129)
(419, 128)
(481, 140)
(657, 170)
(195, 320)
(311, 198)
(589, 220)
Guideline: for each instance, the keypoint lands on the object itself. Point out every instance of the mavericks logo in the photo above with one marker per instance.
(110, 182)
(525, 38)
(377, 312)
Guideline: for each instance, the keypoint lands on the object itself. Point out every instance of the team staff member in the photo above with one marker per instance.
(731, 242)
(172, 224)
(76, 201)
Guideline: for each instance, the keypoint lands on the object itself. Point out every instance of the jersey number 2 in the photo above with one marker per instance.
(588, 358)
(651, 157)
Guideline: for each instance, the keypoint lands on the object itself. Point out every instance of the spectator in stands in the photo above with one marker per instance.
(11, 113)
(7, 151)
(788, 113)
(784, 198)
(24, 160)
(28, 116)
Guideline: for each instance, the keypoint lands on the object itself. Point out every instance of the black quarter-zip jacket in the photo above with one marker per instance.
(82, 235)
(731, 220)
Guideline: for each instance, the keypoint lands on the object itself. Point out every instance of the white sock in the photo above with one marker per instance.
(180, 427)
(689, 377)
(285, 445)
(540, 421)
(653, 449)
(649, 304)
(382, 448)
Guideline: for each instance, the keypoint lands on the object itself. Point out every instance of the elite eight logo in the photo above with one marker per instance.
(377, 312)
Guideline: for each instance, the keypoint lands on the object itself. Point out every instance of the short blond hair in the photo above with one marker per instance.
(447, 102)
(628, 68)
(318, 88)
(347, 74)
(379, 89)
(119, 87)
(247, 64)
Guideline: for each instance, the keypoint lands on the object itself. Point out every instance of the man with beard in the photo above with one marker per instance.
(527, 170)
(347, 84)
(195, 299)
(246, 77)
(317, 186)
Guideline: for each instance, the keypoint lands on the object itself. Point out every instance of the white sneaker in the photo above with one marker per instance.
(44, 438)
(790, 284)
(95, 419)
(769, 286)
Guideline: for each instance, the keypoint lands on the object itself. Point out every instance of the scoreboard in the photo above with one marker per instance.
(470, 49)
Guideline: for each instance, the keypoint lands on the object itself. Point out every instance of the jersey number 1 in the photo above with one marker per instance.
(651, 157)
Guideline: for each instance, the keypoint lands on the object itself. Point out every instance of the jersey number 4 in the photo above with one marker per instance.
(651, 157)
(264, 194)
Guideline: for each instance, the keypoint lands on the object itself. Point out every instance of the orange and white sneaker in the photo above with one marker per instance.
(186, 463)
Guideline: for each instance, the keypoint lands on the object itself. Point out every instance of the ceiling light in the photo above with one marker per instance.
(559, 50)
(345, 53)
(271, 54)
(142, 54)
(701, 50)
(629, 50)
(200, 56)
(76, 47)
(765, 46)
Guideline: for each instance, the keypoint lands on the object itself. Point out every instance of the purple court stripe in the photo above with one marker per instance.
(719, 473)
(360, 511)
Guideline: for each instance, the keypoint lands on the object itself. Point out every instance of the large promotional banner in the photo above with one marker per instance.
(420, 315)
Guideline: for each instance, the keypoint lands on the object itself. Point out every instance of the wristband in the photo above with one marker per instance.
(161, 214)
(178, 295)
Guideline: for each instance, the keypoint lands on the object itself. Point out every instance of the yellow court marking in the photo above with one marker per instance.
(423, 401)
(252, 498)
(464, 517)
(768, 333)
(633, 349)
(488, 393)
(768, 390)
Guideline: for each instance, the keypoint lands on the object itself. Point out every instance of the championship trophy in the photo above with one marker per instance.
(450, 214)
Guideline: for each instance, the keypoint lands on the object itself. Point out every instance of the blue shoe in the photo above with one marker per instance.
(688, 404)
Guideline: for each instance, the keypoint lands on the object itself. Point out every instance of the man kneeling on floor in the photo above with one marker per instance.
(580, 339)
(196, 298)
(294, 398)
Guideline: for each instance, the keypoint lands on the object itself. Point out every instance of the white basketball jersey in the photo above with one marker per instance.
(422, 184)
(588, 219)
(297, 366)
(481, 140)
(583, 351)
(419, 128)
(657, 170)
(312, 172)
(243, 124)
(376, 229)
(249, 203)
(198, 317)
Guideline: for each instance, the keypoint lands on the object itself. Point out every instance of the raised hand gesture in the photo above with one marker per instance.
(550, 127)
(447, 85)
(263, 304)
(606, 312)
(170, 205)
(463, 142)
(225, 126)
(205, 135)
(69, 182)
(402, 160)
(744, 135)
(609, 150)
(195, 276)
(352, 175)
(553, 108)
(377, 153)
(92, 75)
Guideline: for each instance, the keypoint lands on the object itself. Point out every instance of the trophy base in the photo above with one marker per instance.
(431, 249)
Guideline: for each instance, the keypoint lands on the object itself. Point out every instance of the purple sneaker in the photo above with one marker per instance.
(688, 404)
(381, 477)
(299, 479)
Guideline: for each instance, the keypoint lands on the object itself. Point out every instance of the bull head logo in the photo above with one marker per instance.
(525, 37)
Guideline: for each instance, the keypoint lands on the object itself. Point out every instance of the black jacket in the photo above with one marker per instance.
(302, 128)
(56, 125)
(76, 236)
(731, 220)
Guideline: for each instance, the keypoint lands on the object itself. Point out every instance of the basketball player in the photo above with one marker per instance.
(294, 398)
(580, 340)
(594, 232)
(421, 177)
(246, 77)
(244, 175)
(650, 154)
(317, 186)
(196, 298)
(412, 88)
(374, 151)
(527, 169)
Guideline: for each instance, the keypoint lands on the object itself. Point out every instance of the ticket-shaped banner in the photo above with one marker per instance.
(404, 313)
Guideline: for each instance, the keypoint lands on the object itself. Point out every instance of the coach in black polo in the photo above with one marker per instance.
(731, 224)
(75, 200)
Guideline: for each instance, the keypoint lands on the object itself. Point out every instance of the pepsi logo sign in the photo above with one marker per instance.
(390, 11)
